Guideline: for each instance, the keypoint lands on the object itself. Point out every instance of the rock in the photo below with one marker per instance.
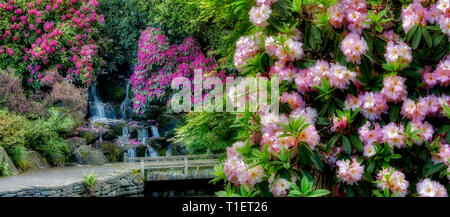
(88, 155)
(75, 120)
(114, 152)
(75, 142)
(124, 183)
(157, 142)
(4, 159)
(90, 135)
(33, 161)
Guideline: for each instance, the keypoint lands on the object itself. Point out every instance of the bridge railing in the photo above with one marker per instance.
(174, 162)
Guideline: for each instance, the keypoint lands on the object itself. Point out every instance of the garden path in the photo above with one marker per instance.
(61, 175)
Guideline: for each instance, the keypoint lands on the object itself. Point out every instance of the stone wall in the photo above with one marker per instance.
(125, 184)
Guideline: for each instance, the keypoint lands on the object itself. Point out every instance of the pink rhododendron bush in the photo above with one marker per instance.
(36, 35)
(159, 63)
(364, 96)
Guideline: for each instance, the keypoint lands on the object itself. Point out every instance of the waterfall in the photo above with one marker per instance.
(150, 151)
(142, 135)
(97, 108)
(155, 132)
(125, 131)
(131, 152)
(125, 110)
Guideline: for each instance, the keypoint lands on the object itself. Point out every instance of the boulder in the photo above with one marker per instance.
(114, 152)
(33, 161)
(75, 142)
(90, 135)
(4, 159)
(73, 120)
(88, 155)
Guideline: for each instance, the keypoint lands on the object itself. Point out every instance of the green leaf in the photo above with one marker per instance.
(433, 169)
(395, 156)
(357, 143)
(416, 39)
(371, 166)
(437, 40)
(411, 32)
(427, 37)
(393, 112)
(346, 145)
(332, 141)
(319, 193)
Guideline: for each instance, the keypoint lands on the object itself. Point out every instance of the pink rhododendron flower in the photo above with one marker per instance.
(393, 135)
(394, 88)
(394, 180)
(280, 187)
(349, 172)
(260, 15)
(429, 188)
(373, 105)
(353, 47)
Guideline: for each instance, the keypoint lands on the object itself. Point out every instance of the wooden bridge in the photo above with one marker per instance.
(176, 167)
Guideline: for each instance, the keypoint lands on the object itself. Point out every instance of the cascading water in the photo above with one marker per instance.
(125, 106)
(142, 135)
(97, 108)
(155, 132)
(150, 151)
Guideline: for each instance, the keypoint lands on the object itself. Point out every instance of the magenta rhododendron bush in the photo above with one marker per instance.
(36, 35)
(363, 99)
(159, 63)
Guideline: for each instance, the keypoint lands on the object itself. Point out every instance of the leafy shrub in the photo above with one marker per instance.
(215, 24)
(363, 89)
(40, 34)
(44, 137)
(12, 96)
(13, 129)
(206, 132)
(159, 63)
(124, 21)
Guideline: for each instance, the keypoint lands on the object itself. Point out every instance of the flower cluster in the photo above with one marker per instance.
(237, 171)
(350, 13)
(429, 188)
(441, 75)
(350, 172)
(353, 47)
(398, 51)
(246, 47)
(261, 13)
(339, 76)
(393, 180)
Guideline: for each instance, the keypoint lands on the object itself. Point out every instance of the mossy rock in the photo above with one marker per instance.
(72, 121)
(5, 160)
(90, 136)
(99, 125)
(74, 143)
(33, 161)
(88, 155)
(113, 151)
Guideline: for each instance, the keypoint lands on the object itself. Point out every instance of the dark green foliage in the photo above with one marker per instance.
(206, 132)
(124, 21)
